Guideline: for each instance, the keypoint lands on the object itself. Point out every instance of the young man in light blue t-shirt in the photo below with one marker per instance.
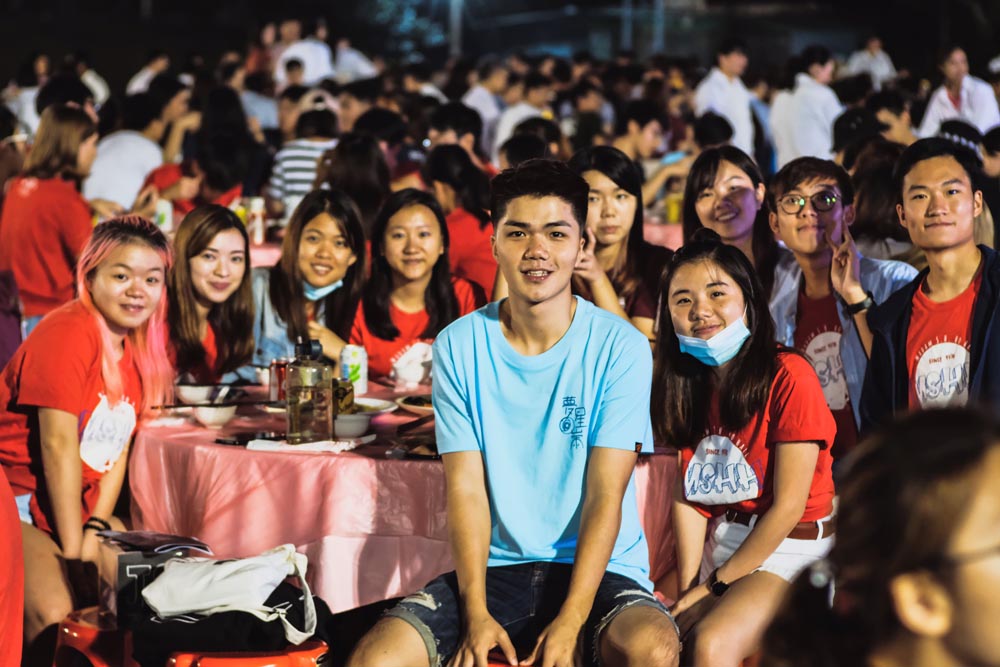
(542, 406)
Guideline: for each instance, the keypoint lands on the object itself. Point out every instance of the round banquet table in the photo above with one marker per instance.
(372, 527)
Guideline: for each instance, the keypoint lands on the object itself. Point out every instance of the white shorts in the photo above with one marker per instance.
(791, 557)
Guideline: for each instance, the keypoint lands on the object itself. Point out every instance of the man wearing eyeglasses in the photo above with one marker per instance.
(824, 288)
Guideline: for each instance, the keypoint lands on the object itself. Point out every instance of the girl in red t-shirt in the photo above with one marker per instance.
(463, 191)
(410, 295)
(45, 221)
(69, 402)
(211, 301)
(618, 271)
(754, 434)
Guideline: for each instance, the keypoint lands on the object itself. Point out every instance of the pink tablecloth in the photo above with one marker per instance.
(373, 528)
(267, 254)
(666, 235)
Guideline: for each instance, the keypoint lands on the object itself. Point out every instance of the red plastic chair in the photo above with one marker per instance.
(81, 633)
(305, 655)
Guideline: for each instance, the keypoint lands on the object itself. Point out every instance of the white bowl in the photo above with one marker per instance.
(214, 417)
(194, 393)
(356, 425)
(351, 426)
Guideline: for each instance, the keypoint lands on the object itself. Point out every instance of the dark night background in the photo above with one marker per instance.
(117, 36)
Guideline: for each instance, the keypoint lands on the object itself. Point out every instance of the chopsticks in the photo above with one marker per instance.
(416, 423)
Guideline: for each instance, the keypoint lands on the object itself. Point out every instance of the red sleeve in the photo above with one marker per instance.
(465, 293)
(58, 362)
(642, 303)
(799, 412)
(359, 331)
(163, 177)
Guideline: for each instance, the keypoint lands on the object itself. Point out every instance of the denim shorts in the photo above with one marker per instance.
(24, 508)
(524, 599)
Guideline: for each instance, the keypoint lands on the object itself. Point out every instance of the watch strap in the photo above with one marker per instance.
(866, 304)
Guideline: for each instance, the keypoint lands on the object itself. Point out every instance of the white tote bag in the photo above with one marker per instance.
(205, 586)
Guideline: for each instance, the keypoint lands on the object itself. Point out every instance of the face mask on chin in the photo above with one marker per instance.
(718, 349)
(317, 293)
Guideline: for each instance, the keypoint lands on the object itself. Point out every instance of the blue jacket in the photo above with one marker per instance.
(887, 382)
(880, 277)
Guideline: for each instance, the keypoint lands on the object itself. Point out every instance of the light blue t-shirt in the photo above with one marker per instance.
(535, 419)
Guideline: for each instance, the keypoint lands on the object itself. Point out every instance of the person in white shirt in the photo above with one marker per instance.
(484, 98)
(960, 96)
(874, 62)
(780, 120)
(316, 58)
(416, 80)
(814, 105)
(157, 63)
(722, 92)
(537, 95)
(351, 64)
(79, 62)
(125, 158)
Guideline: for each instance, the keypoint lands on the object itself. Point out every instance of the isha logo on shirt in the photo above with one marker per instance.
(941, 374)
(719, 473)
(574, 421)
(823, 350)
(106, 434)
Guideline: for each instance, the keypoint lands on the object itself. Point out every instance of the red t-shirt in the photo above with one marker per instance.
(408, 357)
(11, 578)
(938, 346)
(817, 335)
(469, 249)
(728, 470)
(207, 371)
(43, 229)
(169, 174)
(59, 366)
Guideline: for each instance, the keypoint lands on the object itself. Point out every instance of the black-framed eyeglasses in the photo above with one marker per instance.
(821, 202)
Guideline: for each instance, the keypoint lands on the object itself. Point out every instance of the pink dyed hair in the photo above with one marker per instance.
(148, 340)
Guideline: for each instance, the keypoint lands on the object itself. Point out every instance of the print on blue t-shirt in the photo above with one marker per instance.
(535, 418)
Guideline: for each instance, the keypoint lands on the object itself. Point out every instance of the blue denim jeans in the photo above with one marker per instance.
(523, 599)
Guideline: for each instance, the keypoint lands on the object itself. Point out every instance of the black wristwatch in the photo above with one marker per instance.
(717, 587)
(855, 308)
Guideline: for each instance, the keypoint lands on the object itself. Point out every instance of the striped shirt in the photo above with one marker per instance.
(295, 167)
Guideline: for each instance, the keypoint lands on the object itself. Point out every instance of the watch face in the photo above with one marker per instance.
(718, 588)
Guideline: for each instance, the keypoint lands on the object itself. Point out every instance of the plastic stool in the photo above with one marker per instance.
(306, 654)
(82, 633)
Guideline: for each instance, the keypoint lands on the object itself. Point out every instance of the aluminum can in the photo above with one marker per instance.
(164, 215)
(276, 382)
(354, 367)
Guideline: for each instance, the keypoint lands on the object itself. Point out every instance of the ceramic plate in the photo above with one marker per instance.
(418, 408)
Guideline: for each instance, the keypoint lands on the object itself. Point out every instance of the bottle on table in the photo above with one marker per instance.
(309, 395)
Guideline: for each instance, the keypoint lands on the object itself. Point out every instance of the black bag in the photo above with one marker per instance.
(155, 638)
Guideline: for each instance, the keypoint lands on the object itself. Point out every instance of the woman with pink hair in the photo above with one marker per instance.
(70, 399)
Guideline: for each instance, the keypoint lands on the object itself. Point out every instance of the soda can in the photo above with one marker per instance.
(354, 367)
(164, 215)
(276, 381)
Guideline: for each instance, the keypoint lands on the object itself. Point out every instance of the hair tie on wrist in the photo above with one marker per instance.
(97, 523)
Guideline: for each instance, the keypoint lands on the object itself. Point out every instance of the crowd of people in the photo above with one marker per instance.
(481, 228)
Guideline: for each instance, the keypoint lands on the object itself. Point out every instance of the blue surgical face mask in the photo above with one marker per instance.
(317, 293)
(718, 349)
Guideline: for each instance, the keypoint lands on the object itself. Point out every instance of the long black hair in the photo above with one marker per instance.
(287, 295)
(682, 385)
(640, 261)
(900, 495)
(440, 301)
(701, 176)
(451, 165)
